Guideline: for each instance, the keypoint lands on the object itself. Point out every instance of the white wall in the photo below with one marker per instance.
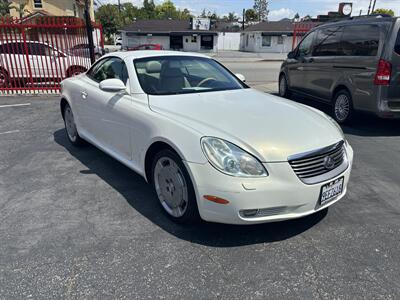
(228, 41)
(255, 43)
(190, 46)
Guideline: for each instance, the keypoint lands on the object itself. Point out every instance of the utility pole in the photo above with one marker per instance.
(369, 7)
(244, 13)
(89, 30)
(373, 7)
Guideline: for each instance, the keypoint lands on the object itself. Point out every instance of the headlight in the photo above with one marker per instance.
(230, 159)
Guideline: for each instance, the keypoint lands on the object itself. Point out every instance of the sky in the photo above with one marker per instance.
(278, 8)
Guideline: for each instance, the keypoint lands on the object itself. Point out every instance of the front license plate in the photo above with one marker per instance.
(331, 190)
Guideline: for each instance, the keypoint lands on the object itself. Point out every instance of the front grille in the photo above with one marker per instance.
(315, 164)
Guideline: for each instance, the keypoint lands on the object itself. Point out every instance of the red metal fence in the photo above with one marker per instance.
(37, 53)
(300, 29)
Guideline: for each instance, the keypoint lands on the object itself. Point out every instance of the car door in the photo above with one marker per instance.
(43, 61)
(107, 112)
(297, 66)
(321, 72)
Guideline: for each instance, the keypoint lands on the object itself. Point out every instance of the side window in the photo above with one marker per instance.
(327, 42)
(39, 49)
(108, 69)
(360, 40)
(12, 48)
(305, 47)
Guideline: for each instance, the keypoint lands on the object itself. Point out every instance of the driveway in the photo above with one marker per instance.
(75, 224)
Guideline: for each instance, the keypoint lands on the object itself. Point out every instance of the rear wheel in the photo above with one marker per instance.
(70, 127)
(343, 107)
(174, 187)
(283, 87)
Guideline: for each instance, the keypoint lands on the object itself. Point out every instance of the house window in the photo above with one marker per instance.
(280, 40)
(37, 4)
(194, 39)
(266, 41)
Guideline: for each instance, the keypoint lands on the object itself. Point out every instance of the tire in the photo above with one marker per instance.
(174, 188)
(342, 109)
(4, 79)
(70, 127)
(75, 70)
(283, 87)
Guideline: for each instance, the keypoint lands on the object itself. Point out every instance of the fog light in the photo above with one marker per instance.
(249, 212)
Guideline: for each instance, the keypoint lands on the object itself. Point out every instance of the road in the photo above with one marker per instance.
(256, 73)
(76, 224)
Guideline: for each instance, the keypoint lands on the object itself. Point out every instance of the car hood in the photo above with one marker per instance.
(269, 127)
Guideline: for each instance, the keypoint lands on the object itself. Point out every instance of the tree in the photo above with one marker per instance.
(231, 17)
(384, 11)
(184, 14)
(109, 17)
(21, 8)
(261, 8)
(149, 9)
(130, 13)
(251, 15)
(297, 16)
(166, 10)
(5, 7)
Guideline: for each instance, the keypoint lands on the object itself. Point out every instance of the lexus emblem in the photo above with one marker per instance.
(329, 163)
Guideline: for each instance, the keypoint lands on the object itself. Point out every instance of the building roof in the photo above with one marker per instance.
(275, 26)
(158, 26)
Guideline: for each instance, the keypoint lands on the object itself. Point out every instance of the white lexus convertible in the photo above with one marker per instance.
(211, 146)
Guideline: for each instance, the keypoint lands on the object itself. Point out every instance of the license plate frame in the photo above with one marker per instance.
(331, 191)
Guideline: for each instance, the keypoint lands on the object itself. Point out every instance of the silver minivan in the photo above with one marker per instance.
(352, 64)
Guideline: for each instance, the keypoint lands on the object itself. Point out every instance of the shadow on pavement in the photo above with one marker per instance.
(141, 197)
(364, 124)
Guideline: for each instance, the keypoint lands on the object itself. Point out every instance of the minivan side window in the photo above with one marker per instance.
(397, 45)
(360, 40)
(327, 42)
(305, 47)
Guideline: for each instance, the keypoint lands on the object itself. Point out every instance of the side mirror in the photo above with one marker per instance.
(241, 77)
(292, 54)
(112, 85)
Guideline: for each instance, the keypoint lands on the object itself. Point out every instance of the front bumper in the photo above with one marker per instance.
(280, 196)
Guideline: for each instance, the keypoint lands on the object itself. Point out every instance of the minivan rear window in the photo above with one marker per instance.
(360, 40)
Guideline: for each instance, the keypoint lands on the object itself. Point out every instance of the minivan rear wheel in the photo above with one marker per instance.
(283, 87)
(343, 107)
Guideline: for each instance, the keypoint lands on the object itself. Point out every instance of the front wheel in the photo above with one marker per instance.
(70, 127)
(174, 187)
(283, 87)
(343, 107)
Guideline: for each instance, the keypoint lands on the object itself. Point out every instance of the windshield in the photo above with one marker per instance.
(168, 75)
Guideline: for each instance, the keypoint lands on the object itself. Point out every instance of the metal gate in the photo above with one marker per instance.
(300, 30)
(37, 53)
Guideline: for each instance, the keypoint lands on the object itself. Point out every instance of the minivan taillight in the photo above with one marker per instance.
(383, 73)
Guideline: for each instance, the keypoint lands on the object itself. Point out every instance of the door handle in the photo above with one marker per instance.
(84, 95)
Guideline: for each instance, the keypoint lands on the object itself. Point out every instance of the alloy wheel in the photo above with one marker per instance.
(70, 124)
(342, 107)
(171, 187)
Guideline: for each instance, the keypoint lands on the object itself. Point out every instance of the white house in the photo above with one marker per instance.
(185, 35)
(272, 37)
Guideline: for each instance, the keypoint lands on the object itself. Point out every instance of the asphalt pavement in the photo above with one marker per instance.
(75, 224)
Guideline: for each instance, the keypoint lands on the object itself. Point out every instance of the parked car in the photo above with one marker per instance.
(352, 64)
(83, 50)
(147, 47)
(210, 145)
(20, 60)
